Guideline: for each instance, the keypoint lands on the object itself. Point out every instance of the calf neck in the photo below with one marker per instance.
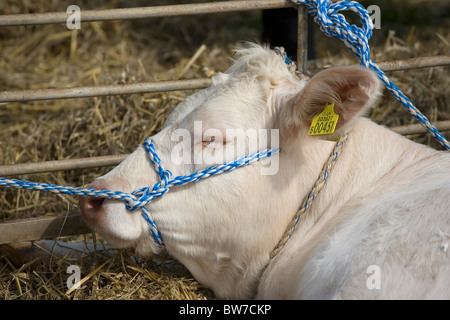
(385, 204)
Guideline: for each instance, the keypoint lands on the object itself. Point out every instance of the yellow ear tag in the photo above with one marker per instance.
(325, 122)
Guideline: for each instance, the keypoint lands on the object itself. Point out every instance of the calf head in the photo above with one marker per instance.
(224, 227)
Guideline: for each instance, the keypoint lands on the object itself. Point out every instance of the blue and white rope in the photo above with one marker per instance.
(140, 198)
(333, 24)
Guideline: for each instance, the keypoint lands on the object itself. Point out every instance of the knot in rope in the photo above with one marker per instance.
(140, 198)
(333, 24)
(144, 196)
(164, 175)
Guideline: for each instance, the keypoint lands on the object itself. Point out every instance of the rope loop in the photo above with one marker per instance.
(164, 175)
(333, 24)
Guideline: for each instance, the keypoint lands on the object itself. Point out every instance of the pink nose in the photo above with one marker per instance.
(93, 209)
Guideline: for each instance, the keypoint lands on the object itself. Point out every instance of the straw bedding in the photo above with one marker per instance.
(48, 56)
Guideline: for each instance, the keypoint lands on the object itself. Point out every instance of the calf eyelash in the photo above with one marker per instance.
(213, 142)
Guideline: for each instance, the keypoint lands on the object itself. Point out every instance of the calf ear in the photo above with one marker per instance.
(353, 90)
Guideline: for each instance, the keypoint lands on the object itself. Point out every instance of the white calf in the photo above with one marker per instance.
(378, 229)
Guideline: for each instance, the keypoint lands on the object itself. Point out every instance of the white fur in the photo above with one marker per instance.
(385, 203)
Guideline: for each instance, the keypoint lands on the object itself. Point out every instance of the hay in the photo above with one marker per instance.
(47, 56)
(105, 274)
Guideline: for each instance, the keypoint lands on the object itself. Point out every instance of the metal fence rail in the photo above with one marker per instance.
(191, 84)
(145, 12)
(105, 90)
(51, 227)
(113, 160)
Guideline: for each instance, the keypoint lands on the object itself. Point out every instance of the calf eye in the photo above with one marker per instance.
(213, 142)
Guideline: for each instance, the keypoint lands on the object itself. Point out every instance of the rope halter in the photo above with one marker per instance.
(139, 199)
(147, 194)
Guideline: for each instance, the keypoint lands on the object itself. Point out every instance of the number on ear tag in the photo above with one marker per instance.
(325, 122)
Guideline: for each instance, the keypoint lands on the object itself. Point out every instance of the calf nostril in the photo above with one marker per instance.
(92, 210)
(94, 203)
(95, 209)
(91, 206)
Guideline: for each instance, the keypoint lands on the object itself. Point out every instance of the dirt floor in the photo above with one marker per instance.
(113, 52)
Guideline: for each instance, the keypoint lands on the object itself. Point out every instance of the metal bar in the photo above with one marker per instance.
(415, 63)
(407, 64)
(106, 90)
(42, 228)
(61, 165)
(302, 38)
(144, 12)
(419, 128)
(84, 92)
(113, 160)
